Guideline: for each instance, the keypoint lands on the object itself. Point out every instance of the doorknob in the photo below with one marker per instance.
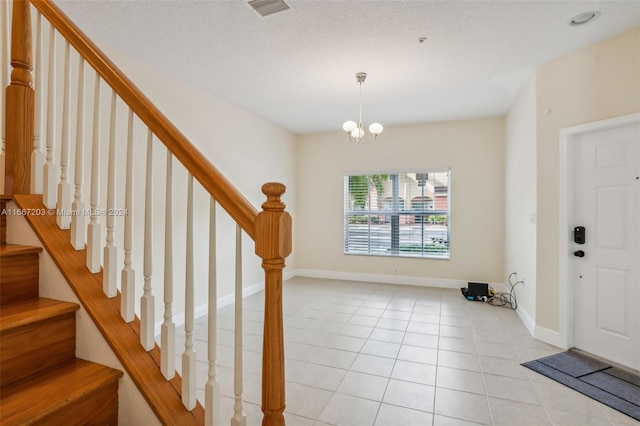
(578, 253)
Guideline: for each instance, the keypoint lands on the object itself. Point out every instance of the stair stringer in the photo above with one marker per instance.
(133, 409)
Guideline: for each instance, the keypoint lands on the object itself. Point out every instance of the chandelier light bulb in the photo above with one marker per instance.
(357, 133)
(349, 126)
(375, 129)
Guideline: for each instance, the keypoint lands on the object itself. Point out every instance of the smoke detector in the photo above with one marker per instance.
(266, 8)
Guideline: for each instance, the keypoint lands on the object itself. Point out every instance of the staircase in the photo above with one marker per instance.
(55, 183)
(41, 380)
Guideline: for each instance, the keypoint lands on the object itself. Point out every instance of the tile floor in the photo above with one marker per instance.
(366, 354)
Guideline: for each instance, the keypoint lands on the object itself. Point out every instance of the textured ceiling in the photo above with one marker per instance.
(297, 68)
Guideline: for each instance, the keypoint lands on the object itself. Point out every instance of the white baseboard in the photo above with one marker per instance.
(388, 279)
(526, 319)
(551, 337)
(203, 310)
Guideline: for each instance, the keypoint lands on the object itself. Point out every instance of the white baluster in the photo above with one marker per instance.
(147, 303)
(63, 206)
(128, 283)
(93, 230)
(189, 355)
(4, 79)
(109, 273)
(168, 329)
(78, 222)
(37, 157)
(49, 196)
(212, 388)
(239, 418)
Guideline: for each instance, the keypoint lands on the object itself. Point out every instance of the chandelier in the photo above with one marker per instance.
(354, 130)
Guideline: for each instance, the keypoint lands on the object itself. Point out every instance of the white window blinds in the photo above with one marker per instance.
(397, 214)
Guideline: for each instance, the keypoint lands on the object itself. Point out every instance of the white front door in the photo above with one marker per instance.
(607, 279)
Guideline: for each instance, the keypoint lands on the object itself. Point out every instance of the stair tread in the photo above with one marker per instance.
(17, 314)
(16, 250)
(30, 400)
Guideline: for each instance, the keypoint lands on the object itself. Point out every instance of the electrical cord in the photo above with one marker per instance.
(506, 300)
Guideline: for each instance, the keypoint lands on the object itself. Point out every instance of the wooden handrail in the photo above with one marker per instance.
(191, 158)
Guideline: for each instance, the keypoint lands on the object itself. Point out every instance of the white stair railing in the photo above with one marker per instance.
(63, 205)
(110, 265)
(93, 229)
(128, 283)
(136, 230)
(147, 302)
(189, 355)
(168, 329)
(78, 223)
(212, 388)
(50, 168)
(37, 157)
(239, 418)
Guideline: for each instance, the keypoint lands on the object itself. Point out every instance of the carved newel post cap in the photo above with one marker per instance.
(273, 191)
(273, 225)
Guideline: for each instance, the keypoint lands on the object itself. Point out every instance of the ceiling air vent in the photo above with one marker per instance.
(268, 7)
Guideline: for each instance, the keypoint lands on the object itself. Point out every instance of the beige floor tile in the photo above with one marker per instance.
(363, 385)
(467, 381)
(459, 360)
(511, 389)
(347, 410)
(393, 415)
(509, 413)
(414, 372)
(409, 395)
(462, 405)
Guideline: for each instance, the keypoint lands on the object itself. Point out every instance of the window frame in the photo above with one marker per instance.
(395, 239)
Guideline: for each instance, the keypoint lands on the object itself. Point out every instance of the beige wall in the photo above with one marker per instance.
(520, 199)
(474, 149)
(599, 82)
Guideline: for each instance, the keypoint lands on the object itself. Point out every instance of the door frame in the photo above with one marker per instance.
(568, 139)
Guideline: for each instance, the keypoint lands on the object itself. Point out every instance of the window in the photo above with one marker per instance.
(400, 214)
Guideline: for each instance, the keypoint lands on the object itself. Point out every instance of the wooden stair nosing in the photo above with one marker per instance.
(7, 250)
(29, 311)
(37, 398)
(163, 396)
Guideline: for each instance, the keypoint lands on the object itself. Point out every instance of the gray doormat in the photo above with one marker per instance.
(612, 386)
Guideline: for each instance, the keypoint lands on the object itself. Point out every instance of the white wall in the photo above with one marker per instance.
(247, 149)
(474, 149)
(520, 199)
(599, 82)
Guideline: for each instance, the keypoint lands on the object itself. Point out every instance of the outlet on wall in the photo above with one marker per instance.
(395, 271)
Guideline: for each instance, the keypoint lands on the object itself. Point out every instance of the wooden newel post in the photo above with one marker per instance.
(273, 245)
(20, 104)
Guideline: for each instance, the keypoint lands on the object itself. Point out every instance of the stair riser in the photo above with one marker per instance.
(33, 348)
(99, 407)
(19, 277)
